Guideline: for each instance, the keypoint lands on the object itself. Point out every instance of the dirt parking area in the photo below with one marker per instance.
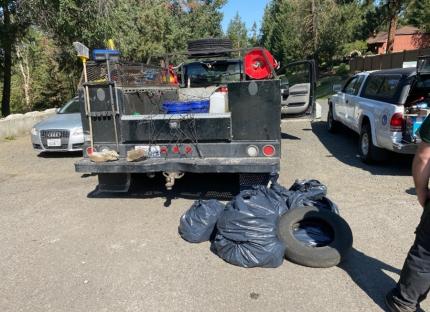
(66, 248)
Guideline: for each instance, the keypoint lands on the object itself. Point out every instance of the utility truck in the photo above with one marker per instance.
(218, 111)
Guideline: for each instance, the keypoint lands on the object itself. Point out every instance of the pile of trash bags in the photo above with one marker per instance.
(244, 232)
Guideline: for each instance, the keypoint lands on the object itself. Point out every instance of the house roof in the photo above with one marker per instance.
(382, 36)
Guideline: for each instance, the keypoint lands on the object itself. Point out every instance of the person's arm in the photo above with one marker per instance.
(421, 172)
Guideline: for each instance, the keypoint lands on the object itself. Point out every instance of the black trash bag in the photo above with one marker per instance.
(313, 234)
(198, 223)
(247, 230)
(282, 195)
(304, 190)
(304, 193)
(249, 254)
(324, 203)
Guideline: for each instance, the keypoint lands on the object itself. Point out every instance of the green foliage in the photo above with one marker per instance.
(357, 47)
(418, 14)
(294, 29)
(141, 29)
(325, 85)
(37, 69)
(342, 69)
(237, 32)
(253, 39)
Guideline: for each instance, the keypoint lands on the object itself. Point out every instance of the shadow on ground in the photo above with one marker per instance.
(344, 146)
(59, 154)
(287, 136)
(368, 273)
(191, 186)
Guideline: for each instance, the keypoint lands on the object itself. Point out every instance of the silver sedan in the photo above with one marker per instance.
(62, 132)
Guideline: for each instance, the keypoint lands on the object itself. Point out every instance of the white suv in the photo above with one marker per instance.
(384, 107)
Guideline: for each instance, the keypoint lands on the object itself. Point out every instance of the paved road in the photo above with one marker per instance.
(65, 248)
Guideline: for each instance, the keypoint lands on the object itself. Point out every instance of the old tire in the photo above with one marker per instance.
(332, 125)
(325, 256)
(369, 153)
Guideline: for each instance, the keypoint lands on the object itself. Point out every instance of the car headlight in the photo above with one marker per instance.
(34, 131)
(78, 131)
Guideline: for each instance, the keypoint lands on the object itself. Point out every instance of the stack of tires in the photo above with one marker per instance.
(209, 47)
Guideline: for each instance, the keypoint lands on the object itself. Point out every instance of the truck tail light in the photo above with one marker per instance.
(396, 122)
(269, 150)
(175, 149)
(188, 149)
(252, 151)
(222, 89)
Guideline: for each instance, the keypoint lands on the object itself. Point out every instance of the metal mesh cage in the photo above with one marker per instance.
(127, 75)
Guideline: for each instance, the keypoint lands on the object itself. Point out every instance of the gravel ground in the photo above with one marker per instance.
(64, 248)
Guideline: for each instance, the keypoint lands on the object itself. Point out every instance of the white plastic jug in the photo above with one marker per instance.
(218, 103)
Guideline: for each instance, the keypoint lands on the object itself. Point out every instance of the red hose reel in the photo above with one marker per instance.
(257, 63)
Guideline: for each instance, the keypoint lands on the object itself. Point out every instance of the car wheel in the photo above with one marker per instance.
(369, 153)
(329, 252)
(332, 125)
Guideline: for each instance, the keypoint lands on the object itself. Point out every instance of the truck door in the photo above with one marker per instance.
(351, 101)
(299, 78)
(344, 96)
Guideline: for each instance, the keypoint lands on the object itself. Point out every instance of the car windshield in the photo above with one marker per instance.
(71, 107)
(212, 72)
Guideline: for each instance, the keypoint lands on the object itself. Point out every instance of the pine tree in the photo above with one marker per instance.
(237, 32)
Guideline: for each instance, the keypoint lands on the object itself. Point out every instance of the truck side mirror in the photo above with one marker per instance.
(337, 88)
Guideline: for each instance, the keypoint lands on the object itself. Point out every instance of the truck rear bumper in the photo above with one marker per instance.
(409, 148)
(197, 165)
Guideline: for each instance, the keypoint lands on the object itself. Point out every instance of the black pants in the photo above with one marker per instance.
(414, 283)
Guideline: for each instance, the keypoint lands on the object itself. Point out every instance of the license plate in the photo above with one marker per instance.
(149, 150)
(53, 142)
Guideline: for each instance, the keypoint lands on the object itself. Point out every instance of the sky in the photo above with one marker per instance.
(249, 11)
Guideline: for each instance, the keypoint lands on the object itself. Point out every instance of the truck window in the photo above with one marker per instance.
(350, 86)
(203, 74)
(382, 87)
(358, 84)
(297, 74)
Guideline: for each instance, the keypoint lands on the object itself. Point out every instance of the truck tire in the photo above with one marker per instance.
(332, 125)
(325, 256)
(209, 44)
(369, 153)
(114, 182)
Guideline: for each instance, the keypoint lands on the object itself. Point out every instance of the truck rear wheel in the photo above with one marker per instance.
(369, 153)
(332, 125)
(114, 182)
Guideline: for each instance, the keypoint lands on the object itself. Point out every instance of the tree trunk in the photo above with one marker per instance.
(393, 9)
(5, 106)
(26, 79)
